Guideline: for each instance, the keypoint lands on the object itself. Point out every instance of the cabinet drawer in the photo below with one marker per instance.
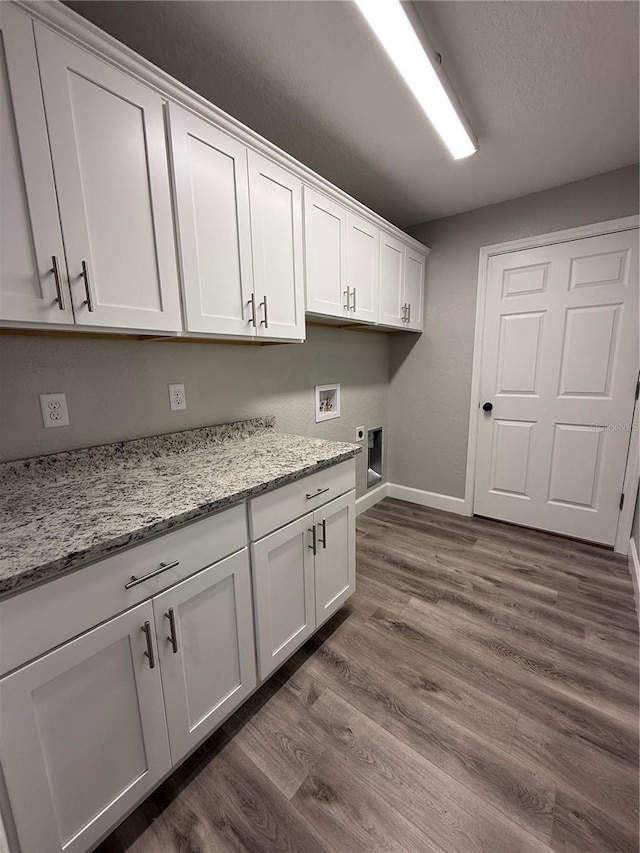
(273, 510)
(39, 619)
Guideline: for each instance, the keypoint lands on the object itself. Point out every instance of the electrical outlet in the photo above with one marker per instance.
(177, 397)
(360, 433)
(54, 410)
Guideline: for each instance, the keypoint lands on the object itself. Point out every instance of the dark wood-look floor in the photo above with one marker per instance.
(478, 694)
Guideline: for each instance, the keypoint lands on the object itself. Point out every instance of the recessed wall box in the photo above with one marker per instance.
(327, 402)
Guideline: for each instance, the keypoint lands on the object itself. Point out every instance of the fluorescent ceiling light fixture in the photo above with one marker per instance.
(391, 25)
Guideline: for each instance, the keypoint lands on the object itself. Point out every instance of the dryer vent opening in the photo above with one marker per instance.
(374, 466)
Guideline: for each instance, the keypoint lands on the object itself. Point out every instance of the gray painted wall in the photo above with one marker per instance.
(431, 376)
(117, 389)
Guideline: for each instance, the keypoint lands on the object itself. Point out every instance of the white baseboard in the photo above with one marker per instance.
(430, 499)
(634, 568)
(371, 498)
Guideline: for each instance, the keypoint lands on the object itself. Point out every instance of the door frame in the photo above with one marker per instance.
(632, 472)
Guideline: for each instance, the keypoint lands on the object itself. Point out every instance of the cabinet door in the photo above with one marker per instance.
(212, 205)
(30, 236)
(276, 231)
(283, 592)
(84, 734)
(110, 163)
(391, 280)
(207, 654)
(363, 268)
(414, 264)
(335, 565)
(325, 247)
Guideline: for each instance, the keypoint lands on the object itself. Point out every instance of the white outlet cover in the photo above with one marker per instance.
(360, 433)
(177, 396)
(54, 410)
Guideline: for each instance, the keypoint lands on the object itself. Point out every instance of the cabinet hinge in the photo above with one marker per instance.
(621, 500)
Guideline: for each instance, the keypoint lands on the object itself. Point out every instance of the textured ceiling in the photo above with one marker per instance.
(551, 90)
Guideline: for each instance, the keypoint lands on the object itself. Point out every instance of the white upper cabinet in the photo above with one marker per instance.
(401, 283)
(341, 260)
(107, 138)
(276, 232)
(92, 237)
(363, 268)
(325, 246)
(212, 206)
(33, 277)
(391, 280)
(414, 264)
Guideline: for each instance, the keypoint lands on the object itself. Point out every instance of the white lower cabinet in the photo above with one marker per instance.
(302, 574)
(84, 734)
(91, 727)
(204, 627)
(335, 562)
(283, 579)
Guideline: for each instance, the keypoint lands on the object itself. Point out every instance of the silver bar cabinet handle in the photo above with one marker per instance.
(173, 637)
(265, 322)
(146, 628)
(163, 567)
(347, 296)
(323, 541)
(314, 540)
(408, 312)
(85, 275)
(319, 492)
(252, 302)
(56, 278)
(354, 299)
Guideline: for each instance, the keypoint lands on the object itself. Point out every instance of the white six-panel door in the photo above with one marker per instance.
(212, 205)
(276, 232)
(207, 654)
(108, 146)
(88, 734)
(30, 236)
(559, 367)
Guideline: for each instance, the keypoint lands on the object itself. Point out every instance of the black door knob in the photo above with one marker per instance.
(487, 407)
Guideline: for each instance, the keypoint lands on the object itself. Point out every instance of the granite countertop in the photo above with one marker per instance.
(62, 511)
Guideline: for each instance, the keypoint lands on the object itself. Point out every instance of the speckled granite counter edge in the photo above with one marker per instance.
(80, 559)
(132, 450)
